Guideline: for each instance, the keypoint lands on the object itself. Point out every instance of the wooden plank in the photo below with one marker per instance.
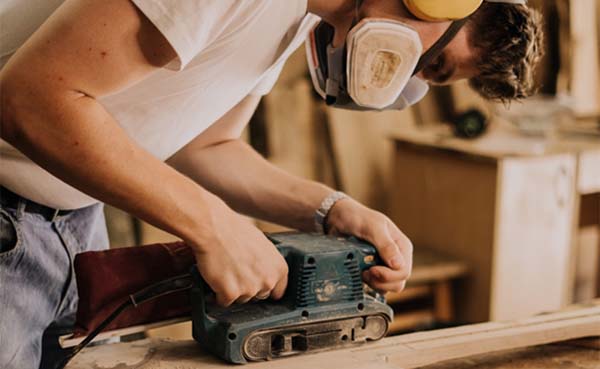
(179, 331)
(70, 341)
(585, 75)
(533, 233)
(444, 308)
(589, 172)
(588, 242)
(402, 352)
(559, 355)
(547, 71)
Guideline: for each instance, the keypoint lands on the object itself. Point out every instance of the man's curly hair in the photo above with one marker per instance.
(508, 41)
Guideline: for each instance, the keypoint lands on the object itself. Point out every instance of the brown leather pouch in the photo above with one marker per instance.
(105, 279)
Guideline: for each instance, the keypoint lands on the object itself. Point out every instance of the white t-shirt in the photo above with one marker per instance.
(227, 49)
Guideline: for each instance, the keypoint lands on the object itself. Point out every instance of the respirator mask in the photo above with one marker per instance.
(376, 68)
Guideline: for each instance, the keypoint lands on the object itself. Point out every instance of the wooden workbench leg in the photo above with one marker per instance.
(442, 300)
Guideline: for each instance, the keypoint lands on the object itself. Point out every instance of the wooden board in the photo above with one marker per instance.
(588, 254)
(70, 341)
(533, 233)
(585, 70)
(402, 352)
(561, 355)
(589, 172)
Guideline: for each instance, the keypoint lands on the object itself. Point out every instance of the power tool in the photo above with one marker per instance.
(325, 305)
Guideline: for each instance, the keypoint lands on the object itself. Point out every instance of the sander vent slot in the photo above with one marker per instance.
(304, 294)
(356, 290)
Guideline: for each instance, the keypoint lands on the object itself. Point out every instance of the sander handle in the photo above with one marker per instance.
(369, 257)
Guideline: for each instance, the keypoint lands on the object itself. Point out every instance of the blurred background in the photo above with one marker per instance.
(505, 222)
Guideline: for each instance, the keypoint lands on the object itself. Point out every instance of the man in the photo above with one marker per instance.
(140, 104)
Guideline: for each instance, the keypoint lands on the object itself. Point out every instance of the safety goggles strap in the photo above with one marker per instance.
(439, 46)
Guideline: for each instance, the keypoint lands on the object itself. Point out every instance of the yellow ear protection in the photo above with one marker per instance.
(444, 10)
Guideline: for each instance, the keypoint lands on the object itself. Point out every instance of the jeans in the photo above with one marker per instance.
(38, 292)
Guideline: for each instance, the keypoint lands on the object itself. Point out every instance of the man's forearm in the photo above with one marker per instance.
(252, 185)
(73, 137)
(49, 111)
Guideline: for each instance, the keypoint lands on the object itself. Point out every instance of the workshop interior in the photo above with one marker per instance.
(500, 199)
(502, 203)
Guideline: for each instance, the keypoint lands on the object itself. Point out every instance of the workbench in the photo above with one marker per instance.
(183, 355)
(563, 355)
(187, 355)
(494, 345)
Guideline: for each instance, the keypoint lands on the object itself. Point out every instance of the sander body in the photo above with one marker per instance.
(325, 305)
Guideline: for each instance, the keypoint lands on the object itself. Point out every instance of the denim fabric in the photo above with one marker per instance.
(38, 293)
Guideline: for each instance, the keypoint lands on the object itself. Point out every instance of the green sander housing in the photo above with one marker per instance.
(325, 305)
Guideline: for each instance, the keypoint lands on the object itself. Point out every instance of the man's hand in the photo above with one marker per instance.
(237, 261)
(352, 218)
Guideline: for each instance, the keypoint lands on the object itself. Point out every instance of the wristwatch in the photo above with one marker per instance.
(323, 210)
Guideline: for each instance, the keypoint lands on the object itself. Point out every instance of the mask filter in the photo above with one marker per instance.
(376, 67)
(372, 70)
(381, 58)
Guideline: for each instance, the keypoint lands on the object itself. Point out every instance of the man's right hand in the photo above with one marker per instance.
(236, 259)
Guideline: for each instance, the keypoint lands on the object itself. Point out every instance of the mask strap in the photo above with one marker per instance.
(335, 59)
(357, 6)
(437, 48)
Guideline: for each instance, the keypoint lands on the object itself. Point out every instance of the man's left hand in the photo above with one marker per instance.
(349, 217)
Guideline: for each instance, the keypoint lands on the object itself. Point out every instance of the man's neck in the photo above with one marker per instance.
(338, 13)
(333, 11)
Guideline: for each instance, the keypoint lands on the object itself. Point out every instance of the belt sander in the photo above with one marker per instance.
(324, 307)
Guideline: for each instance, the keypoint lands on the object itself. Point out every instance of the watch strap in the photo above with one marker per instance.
(324, 209)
